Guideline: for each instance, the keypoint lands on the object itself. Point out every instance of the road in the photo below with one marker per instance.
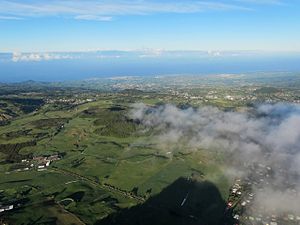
(99, 185)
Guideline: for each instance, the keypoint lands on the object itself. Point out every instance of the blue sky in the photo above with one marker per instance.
(82, 25)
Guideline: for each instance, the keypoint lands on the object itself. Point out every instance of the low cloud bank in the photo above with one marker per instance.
(268, 135)
(27, 57)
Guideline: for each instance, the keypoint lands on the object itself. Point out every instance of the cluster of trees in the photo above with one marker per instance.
(49, 123)
(12, 151)
(115, 123)
(133, 193)
(27, 105)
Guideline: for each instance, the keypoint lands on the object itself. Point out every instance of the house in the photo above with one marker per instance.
(53, 157)
(48, 163)
(229, 204)
(236, 216)
(6, 208)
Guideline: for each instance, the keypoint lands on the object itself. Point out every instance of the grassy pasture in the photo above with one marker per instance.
(101, 144)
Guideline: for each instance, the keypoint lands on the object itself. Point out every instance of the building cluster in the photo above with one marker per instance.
(38, 162)
(42, 162)
(242, 195)
(242, 94)
(71, 101)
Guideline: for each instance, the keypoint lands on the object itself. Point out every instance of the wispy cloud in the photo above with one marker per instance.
(104, 10)
(94, 18)
(266, 2)
(10, 18)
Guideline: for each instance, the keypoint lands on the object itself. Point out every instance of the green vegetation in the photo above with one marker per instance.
(102, 169)
(108, 163)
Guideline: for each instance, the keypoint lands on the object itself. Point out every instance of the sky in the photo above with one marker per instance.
(210, 25)
(57, 40)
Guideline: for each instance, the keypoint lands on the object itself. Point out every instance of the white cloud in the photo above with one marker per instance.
(268, 135)
(214, 53)
(117, 54)
(151, 53)
(94, 18)
(19, 57)
(108, 56)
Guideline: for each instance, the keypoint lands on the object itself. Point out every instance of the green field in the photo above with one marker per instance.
(107, 163)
